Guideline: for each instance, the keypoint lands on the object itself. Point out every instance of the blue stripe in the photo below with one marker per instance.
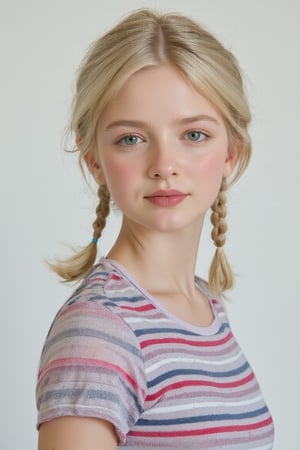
(223, 327)
(75, 298)
(85, 396)
(96, 273)
(90, 279)
(184, 372)
(206, 418)
(142, 332)
(93, 298)
(133, 299)
(115, 381)
(89, 332)
(109, 304)
(145, 331)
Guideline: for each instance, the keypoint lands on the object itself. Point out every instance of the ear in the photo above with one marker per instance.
(233, 154)
(94, 167)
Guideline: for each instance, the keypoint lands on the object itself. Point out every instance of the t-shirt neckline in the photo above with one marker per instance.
(210, 330)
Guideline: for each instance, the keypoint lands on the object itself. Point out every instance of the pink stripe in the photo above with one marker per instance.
(139, 308)
(69, 362)
(185, 341)
(78, 306)
(113, 276)
(214, 430)
(183, 384)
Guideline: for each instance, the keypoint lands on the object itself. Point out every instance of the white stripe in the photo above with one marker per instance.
(191, 360)
(122, 290)
(174, 408)
(138, 319)
(71, 406)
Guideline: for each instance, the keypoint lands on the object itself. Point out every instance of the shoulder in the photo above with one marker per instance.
(105, 286)
(99, 296)
(91, 363)
(92, 316)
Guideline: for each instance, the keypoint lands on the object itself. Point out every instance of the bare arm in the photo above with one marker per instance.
(77, 433)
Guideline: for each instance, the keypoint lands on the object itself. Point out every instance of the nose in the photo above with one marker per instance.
(163, 163)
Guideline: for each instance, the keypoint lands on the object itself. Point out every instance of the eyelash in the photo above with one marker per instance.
(132, 135)
(129, 135)
(201, 133)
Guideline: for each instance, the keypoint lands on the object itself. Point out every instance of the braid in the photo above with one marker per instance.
(220, 274)
(218, 217)
(102, 211)
(80, 264)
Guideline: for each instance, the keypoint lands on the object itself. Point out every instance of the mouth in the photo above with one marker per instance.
(166, 198)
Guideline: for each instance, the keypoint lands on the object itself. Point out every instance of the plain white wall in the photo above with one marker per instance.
(44, 201)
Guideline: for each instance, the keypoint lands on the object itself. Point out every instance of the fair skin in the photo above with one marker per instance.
(77, 433)
(163, 150)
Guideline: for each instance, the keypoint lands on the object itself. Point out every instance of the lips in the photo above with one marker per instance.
(166, 198)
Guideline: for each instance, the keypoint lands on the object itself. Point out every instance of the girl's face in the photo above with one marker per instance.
(162, 149)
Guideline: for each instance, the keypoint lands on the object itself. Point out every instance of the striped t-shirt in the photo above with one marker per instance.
(114, 352)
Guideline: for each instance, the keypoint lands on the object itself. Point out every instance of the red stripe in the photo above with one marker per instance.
(184, 384)
(214, 430)
(186, 341)
(139, 308)
(113, 276)
(72, 362)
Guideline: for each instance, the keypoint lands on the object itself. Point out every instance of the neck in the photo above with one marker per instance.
(164, 262)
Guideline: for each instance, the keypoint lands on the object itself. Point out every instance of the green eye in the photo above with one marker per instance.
(130, 140)
(195, 136)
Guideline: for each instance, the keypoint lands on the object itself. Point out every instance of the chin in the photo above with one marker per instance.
(176, 225)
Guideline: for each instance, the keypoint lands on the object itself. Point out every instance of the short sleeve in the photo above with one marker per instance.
(91, 366)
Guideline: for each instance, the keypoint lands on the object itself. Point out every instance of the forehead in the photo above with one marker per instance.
(158, 92)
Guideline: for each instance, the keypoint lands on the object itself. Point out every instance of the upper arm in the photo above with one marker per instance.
(77, 433)
(91, 367)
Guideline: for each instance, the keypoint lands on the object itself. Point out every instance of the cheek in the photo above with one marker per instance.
(211, 168)
(209, 174)
(118, 176)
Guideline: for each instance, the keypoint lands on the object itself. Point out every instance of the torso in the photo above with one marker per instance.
(201, 391)
(177, 385)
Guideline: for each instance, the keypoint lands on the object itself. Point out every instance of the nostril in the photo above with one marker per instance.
(165, 172)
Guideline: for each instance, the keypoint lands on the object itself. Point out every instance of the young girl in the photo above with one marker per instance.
(142, 356)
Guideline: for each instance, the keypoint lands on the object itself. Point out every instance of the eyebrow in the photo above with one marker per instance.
(183, 121)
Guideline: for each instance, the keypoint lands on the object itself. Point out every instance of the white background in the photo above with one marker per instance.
(44, 201)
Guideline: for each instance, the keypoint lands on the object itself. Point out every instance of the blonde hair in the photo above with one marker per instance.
(147, 38)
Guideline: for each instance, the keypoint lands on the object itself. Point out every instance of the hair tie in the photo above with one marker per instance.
(95, 240)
